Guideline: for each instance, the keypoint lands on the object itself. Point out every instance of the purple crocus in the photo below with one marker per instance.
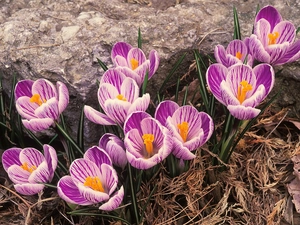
(40, 102)
(118, 96)
(240, 87)
(273, 38)
(133, 61)
(190, 129)
(147, 142)
(236, 52)
(115, 148)
(28, 168)
(92, 180)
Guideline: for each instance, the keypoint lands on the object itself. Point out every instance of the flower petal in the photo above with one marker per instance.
(270, 14)
(215, 74)
(140, 104)
(29, 189)
(48, 109)
(80, 169)
(11, 157)
(40, 175)
(133, 121)
(63, 96)
(137, 54)
(31, 156)
(17, 174)
(98, 156)
(130, 89)
(97, 117)
(23, 88)
(45, 89)
(25, 108)
(117, 109)
(51, 159)
(164, 110)
(38, 124)
(114, 201)
(257, 49)
(265, 75)
(154, 62)
(243, 113)
(120, 48)
(68, 191)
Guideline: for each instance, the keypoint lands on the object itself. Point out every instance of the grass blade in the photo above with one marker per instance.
(237, 30)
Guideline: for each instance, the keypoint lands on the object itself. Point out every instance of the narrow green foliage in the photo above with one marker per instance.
(139, 39)
(298, 29)
(202, 80)
(102, 64)
(133, 196)
(145, 82)
(237, 30)
(80, 130)
(185, 95)
(177, 90)
(176, 66)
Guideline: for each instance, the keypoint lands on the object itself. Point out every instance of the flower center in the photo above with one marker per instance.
(242, 90)
(238, 55)
(94, 183)
(36, 98)
(25, 166)
(148, 141)
(183, 130)
(121, 97)
(273, 37)
(134, 63)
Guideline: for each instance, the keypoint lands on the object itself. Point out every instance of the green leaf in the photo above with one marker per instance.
(145, 83)
(177, 64)
(80, 131)
(102, 64)
(139, 39)
(237, 30)
(298, 29)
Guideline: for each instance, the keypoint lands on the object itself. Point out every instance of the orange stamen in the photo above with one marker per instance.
(134, 63)
(148, 141)
(94, 183)
(36, 98)
(242, 91)
(24, 166)
(238, 55)
(183, 130)
(273, 37)
(121, 97)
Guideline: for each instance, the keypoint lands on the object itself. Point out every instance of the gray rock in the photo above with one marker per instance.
(61, 40)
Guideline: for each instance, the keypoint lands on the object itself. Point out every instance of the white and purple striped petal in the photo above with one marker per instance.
(98, 156)
(115, 148)
(97, 117)
(113, 201)
(27, 168)
(164, 110)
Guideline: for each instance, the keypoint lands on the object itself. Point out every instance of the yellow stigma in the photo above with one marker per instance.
(148, 141)
(24, 166)
(242, 90)
(121, 97)
(238, 55)
(183, 130)
(273, 37)
(36, 98)
(134, 63)
(94, 183)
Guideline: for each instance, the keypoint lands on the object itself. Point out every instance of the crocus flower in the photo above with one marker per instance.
(118, 96)
(92, 180)
(273, 38)
(190, 129)
(28, 168)
(147, 142)
(236, 52)
(240, 87)
(115, 148)
(40, 102)
(133, 61)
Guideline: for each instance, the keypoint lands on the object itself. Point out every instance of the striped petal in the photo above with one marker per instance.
(113, 201)
(243, 113)
(121, 49)
(140, 104)
(48, 109)
(68, 191)
(29, 189)
(98, 156)
(270, 14)
(38, 124)
(17, 174)
(133, 121)
(154, 62)
(11, 157)
(97, 117)
(164, 110)
(80, 169)
(63, 96)
(25, 108)
(23, 88)
(51, 159)
(45, 89)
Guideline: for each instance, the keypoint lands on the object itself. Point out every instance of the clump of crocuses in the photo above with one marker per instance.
(92, 180)
(240, 88)
(133, 62)
(273, 40)
(40, 102)
(29, 169)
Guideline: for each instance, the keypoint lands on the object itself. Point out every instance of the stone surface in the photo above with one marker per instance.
(61, 40)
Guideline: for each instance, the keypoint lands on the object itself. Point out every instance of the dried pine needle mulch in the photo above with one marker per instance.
(252, 190)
